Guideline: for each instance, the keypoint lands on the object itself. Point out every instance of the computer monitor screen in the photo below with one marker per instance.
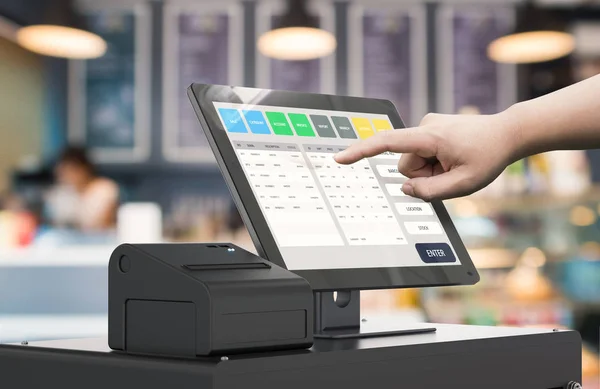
(323, 216)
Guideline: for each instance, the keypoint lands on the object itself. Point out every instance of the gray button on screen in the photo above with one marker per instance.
(344, 128)
(323, 126)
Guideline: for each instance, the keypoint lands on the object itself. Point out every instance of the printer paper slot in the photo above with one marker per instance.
(227, 266)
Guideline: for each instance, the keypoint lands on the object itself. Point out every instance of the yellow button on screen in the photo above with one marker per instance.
(363, 127)
(382, 125)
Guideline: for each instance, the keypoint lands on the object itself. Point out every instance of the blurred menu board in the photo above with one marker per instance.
(479, 85)
(200, 47)
(203, 58)
(387, 58)
(297, 76)
(386, 67)
(110, 83)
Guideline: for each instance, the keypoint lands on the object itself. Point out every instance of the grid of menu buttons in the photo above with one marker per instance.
(357, 199)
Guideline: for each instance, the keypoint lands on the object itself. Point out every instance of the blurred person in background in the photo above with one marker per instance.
(81, 199)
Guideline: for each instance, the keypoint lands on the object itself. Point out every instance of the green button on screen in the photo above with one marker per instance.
(279, 123)
(301, 124)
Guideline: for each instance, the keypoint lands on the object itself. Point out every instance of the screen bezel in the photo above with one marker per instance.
(202, 97)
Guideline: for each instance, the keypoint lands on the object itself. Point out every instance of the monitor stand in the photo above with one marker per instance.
(339, 318)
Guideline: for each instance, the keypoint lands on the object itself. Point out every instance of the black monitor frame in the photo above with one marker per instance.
(202, 98)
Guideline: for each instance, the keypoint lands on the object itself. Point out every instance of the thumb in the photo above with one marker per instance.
(454, 183)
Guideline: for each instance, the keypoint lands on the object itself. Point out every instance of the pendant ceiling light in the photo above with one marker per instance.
(540, 36)
(61, 34)
(297, 36)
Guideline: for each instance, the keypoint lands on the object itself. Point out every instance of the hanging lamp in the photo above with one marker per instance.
(297, 36)
(61, 34)
(540, 36)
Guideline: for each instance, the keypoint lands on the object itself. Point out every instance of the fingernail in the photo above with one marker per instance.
(408, 189)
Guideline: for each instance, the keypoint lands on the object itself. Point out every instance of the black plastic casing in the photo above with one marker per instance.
(191, 300)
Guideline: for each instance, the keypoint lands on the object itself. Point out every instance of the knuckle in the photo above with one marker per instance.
(424, 191)
(429, 195)
(402, 167)
(429, 118)
(439, 140)
(404, 163)
(431, 141)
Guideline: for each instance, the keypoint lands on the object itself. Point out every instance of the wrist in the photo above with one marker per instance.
(518, 141)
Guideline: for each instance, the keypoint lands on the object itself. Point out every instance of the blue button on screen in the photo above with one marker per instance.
(435, 252)
(256, 122)
(233, 120)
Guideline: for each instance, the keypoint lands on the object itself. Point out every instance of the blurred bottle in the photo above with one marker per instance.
(377, 301)
(526, 282)
(538, 173)
(482, 316)
(8, 235)
(26, 228)
(18, 225)
(516, 180)
(569, 172)
(580, 276)
(407, 298)
(17, 229)
(139, 223)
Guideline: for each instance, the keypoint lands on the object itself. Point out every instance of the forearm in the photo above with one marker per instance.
(566, 119)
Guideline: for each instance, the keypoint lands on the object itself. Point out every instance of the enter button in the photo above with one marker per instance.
(435, 252)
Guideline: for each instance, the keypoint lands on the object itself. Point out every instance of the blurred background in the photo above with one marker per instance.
(99, 144)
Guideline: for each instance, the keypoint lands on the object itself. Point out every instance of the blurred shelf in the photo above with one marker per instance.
(403, 315)
(64, 256)
(526, 203)
(18, 328)
(586, 306)
(493, 258)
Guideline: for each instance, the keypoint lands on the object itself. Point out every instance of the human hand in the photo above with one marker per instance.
(447, 155)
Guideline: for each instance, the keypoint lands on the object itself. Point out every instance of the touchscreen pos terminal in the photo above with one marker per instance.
(342, 228)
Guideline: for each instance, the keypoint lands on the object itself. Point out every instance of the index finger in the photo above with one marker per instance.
(409, 140)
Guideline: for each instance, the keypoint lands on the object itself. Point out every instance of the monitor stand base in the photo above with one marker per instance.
(337, 316)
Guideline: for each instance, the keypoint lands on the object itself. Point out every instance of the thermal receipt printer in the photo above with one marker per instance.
(193, 300)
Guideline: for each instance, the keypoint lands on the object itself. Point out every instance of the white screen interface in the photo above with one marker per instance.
(324, 215)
